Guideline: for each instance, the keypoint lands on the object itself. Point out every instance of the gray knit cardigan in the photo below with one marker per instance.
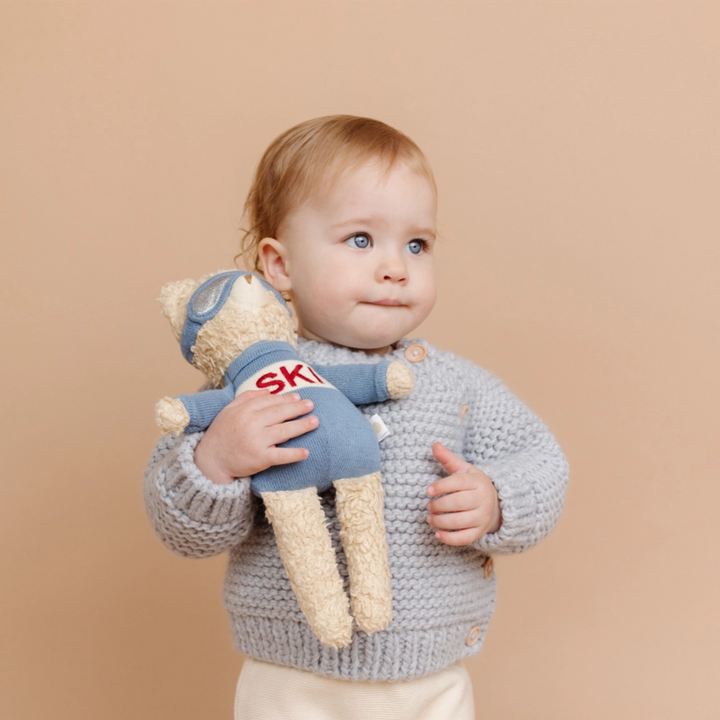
(443, 596)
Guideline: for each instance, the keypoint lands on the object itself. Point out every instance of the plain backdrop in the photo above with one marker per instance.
(577, 154)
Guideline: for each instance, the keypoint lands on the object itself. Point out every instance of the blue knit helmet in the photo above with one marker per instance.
(207, 301)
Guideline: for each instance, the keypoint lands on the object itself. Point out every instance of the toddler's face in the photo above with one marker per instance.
(358, 262)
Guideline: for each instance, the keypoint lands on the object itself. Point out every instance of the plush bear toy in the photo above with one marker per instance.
(238, 331)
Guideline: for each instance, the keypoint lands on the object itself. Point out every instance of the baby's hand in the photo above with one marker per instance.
(242, 439)
(469, 508)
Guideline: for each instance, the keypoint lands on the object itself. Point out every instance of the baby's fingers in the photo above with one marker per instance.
(292, 429)
(278, 413)
(248, 395)
(469, 519)
(261, 399)
(454, 483)
(283, 456)
(459, 537)
(455, 502)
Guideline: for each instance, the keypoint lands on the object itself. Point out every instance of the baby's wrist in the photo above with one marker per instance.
(497, 516)
(207, 465)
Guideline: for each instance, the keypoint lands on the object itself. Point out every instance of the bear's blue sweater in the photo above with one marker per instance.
(343, 446)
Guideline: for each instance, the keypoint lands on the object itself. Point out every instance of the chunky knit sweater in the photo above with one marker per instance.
(443, 596)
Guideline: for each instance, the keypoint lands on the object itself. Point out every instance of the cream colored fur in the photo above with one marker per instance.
(251, 314)
(232, 331)
(247, 317)
(174, 299)
(362, 531)
(171, 415)
(304, 543)
(400, 380)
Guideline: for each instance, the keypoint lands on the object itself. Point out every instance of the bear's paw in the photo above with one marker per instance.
(171, 415)
(400, 379)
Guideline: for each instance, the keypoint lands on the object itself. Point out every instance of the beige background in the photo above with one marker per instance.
(577, 153)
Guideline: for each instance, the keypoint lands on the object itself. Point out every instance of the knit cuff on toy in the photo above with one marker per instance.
(195, 496)
(531, 499)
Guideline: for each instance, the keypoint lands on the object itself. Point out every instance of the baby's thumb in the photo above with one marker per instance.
(449, 460)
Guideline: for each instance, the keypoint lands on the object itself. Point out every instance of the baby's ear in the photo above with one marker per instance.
(174, 298)
(273, 257)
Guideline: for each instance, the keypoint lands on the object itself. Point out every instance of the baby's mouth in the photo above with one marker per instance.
(386, 303)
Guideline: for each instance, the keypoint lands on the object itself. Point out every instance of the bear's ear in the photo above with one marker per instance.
(174, 298)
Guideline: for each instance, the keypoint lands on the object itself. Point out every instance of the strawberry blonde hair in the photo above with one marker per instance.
(307, 159)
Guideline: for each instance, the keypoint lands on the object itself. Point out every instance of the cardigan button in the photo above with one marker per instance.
(488, 567)
(473, 635)
(415, 352)
(463, 411)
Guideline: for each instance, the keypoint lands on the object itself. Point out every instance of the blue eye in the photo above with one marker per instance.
(416, 246)
(361, 240)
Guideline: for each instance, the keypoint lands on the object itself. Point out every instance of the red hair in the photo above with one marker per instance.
(307, 159)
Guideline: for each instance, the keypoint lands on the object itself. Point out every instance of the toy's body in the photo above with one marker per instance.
(229, 327)
(343, 445)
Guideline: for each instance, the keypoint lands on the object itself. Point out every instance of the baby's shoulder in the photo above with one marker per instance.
(445, 362)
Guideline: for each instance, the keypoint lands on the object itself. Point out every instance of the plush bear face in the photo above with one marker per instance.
(250, 313)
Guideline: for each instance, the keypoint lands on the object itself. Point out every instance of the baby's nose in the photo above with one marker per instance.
(392, 269)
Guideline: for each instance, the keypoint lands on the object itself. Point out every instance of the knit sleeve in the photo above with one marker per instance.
(192, 515)
(517, 452)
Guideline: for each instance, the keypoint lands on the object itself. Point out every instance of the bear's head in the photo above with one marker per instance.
(217, 317)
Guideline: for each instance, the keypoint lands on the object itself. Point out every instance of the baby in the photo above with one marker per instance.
(342, 222)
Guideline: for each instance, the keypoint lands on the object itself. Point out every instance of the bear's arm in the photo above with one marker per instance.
(361, 383)
(203, 407)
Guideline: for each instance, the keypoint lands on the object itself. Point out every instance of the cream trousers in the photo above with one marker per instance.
(274, 692)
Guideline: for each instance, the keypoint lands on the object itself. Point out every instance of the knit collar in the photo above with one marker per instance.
(321, 353)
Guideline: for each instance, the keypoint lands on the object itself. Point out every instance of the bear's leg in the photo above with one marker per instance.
(362, 531)
(306, 550)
